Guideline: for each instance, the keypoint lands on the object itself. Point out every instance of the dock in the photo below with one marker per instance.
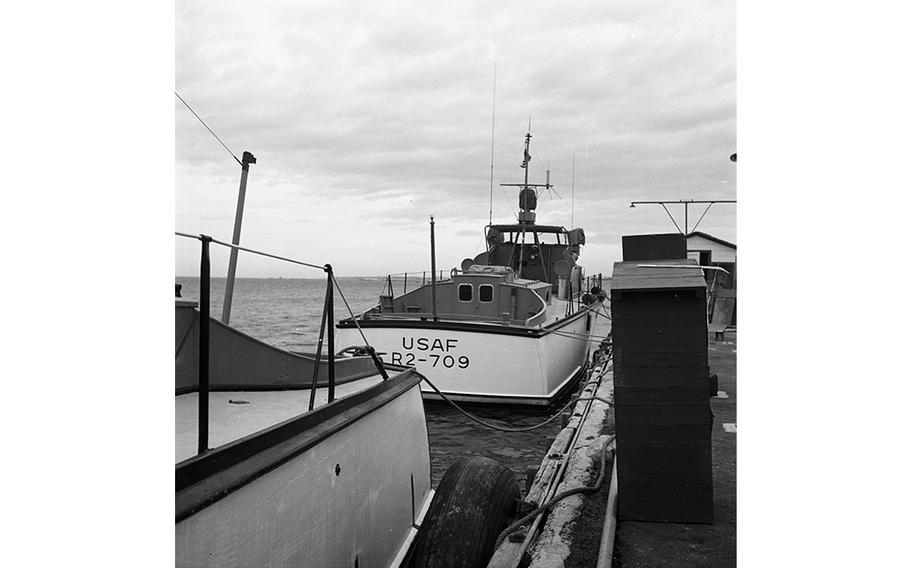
(571, 534)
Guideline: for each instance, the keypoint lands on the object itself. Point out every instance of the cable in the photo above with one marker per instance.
(207, 127)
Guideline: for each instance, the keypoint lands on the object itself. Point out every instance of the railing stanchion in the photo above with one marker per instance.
(433, 267)
(330, 323)
(313, 386)
(204, 289)
(405, 283)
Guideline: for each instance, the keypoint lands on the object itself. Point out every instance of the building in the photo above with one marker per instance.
(709, 250)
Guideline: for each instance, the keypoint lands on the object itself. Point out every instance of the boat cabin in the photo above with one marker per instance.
(491, 293)
(532, 251)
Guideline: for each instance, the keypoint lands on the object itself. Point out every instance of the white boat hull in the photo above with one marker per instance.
(352, 499)
(480, 365)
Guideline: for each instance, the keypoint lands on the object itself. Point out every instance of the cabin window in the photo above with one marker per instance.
(486, 292)
(465, 292)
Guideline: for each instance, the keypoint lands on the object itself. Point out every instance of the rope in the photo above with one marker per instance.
(372, 352)
(238, 247)
(572, 401)
(350, 311)
(488, 424)
(560, 496)
(580, 336)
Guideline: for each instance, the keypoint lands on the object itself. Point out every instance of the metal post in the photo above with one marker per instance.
(433, 263)
(238, 219)
(405, 283)
(687, 218)
(330, 317)
(325, 311)
(204, 296)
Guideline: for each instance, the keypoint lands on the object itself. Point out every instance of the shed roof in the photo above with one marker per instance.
(711, 238)
(633, 276)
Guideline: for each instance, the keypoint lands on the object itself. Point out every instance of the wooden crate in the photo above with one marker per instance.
(662, 392)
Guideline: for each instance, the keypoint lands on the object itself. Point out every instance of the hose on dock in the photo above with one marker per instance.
(562, 495)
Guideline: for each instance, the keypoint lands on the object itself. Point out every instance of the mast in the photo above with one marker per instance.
(527, 199)
(572, 215)
(492, 141)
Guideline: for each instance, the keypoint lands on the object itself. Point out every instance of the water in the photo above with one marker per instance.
(286, 312)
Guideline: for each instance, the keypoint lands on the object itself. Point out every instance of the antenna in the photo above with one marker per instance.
(492, 141)
(685, 203)
(572, 217)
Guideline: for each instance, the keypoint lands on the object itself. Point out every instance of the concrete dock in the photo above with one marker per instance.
(570, 535)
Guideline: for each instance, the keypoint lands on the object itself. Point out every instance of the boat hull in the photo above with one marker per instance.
(350, 496)
(482, 363)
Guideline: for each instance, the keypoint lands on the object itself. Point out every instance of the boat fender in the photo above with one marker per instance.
(472, 505)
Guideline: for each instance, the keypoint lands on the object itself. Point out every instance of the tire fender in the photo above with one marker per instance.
(472, 505)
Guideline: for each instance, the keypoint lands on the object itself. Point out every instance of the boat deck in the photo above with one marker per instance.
(250, 412)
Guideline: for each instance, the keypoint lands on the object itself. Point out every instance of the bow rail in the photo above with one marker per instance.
(204, 313)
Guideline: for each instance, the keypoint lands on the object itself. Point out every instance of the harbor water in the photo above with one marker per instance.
(285, 312)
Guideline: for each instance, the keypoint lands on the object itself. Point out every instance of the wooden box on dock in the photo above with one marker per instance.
(662, 394)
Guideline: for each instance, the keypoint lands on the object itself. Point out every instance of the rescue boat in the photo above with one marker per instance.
(511, 326)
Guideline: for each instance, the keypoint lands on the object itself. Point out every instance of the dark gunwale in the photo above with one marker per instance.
(495, 329)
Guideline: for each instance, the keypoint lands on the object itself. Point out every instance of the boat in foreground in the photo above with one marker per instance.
(512, 326)
(285, 459)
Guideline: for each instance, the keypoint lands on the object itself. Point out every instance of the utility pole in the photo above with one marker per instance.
(238, 220)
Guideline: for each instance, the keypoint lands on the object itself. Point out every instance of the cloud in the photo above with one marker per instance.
(367, 117)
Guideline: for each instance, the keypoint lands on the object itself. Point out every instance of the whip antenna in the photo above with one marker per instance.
(492, 141)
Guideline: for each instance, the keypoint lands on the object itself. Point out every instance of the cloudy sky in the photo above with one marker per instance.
(368, 117)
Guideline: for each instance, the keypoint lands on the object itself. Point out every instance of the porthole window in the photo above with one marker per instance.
(465, 292)
(486, 293)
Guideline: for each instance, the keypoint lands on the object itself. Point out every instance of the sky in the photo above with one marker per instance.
(366, 118)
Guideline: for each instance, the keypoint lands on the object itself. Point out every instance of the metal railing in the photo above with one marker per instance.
(415, 276)
(204, 311)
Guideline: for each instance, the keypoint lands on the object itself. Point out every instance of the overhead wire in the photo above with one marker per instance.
(207, 128)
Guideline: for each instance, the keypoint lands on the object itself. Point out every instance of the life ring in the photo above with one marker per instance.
(472, 505)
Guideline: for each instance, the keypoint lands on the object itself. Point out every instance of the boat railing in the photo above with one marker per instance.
(541, 315)
(204, 316)
(402, 279)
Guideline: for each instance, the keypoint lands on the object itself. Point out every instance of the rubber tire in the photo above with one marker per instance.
(472, 505)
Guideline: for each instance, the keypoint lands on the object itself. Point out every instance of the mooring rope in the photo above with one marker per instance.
(350, 311)
(560, 496)
(572, 401)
